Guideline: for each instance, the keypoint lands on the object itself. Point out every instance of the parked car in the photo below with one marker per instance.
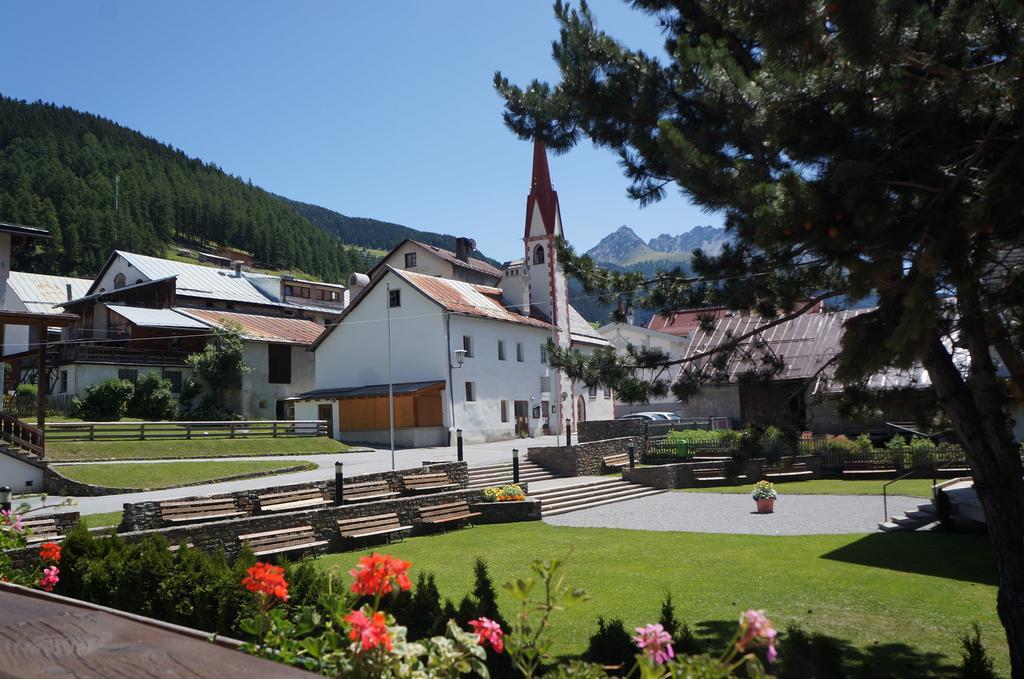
(652, 417)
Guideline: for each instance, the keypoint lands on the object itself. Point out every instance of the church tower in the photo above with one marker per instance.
(548, 287)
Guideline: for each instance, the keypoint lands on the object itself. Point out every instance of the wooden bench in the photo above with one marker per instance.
(367, 491)
(283, 540)
(617, 461)
(194, 511)
(174, 548)
(715, 474)
(44, 529)
(796, 471)
(450, 512)
(292, 499)
(868, 468)
(370, 526)
(427, 483)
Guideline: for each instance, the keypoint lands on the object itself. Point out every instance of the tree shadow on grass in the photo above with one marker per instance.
(955, 556)
(805, 655)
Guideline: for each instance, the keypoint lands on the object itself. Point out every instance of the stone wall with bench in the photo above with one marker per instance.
(581, 459)
(146, 515)
(681, 474)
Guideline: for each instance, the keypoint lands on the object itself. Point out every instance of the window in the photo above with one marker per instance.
(174, 377)
(130, 374)
(538, 254)
(520, 352)
(501, 353)
(467, 345)
(543, 354)
(410, 260)
(63, 381)
(119, 281)
(279, 363)
(470, 391)
(607, 392)
(504, 411)
(394, 298)
(327, 322)
(545, 383)
(592, 391)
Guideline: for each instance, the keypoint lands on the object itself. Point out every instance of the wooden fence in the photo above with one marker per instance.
(22, 435)
(142, 431)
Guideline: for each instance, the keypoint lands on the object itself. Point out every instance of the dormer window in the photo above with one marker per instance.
(119, 281)
(538, 254)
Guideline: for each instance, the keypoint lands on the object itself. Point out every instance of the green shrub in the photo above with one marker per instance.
(107, 400)
(897, 442)
(809, 656)
(683, 640)
(864, 444)
(611, 645)
(974, 660)
(26, 391)
(153, 399)
(921, 444)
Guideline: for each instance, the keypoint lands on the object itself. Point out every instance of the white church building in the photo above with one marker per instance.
(468, 349)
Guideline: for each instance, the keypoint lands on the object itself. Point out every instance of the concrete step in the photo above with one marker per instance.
(890, 527)
(598, 503)
(500, 466)
(577, 489)
(906, 522)
(576, 500)
(922, 514)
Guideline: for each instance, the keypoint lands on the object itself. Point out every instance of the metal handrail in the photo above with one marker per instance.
(885, 486)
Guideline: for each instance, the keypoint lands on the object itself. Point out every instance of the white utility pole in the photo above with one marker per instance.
(391, 388)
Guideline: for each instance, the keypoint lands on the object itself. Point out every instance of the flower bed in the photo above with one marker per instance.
(510, 493)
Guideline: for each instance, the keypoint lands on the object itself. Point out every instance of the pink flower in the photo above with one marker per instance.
(488, 632)
(14, 523)
(756, 631)
(655, 642)
(49, 578)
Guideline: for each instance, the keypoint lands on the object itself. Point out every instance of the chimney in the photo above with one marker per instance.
(68, 291)
(526, 292)
(356, 283)
(464, 246)
(237, 265)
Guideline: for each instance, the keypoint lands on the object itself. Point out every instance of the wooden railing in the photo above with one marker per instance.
(141, 431)
(22, 435)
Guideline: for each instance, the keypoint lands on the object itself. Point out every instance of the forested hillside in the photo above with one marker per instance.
(60, 168)
(371, 233)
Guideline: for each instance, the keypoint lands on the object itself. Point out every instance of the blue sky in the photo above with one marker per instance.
(373, 109)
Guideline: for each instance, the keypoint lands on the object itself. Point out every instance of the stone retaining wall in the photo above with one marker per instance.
(582, 459)
(507, 512)
(146, 515)
(680, 474)
(57, 484)
(598, 430)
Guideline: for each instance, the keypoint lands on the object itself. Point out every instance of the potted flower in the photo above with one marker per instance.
(764, 495)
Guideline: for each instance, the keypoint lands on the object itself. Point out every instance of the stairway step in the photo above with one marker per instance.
(570, 491)
(922, 515)
(598, 503)
(906, 521)
(589, 495)
(890, 527)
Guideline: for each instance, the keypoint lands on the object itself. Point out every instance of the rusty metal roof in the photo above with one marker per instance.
(482, 301)
(805, 344)
(39, 293)
(260, 328)
(447, 255)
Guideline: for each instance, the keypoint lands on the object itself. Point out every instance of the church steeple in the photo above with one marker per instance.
(542, 213)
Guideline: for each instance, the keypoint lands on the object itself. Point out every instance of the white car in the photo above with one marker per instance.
(652, 417)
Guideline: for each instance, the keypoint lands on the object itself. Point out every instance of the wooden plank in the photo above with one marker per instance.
(308, 545)
(183, 519)
(297, 504)
(280, 531)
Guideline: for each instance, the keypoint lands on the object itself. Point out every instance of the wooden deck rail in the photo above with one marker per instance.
(140, 431)
(22, 435)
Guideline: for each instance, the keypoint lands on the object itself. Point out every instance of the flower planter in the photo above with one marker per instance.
(765, 506)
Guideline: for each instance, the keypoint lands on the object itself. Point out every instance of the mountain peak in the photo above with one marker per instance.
(623, 247)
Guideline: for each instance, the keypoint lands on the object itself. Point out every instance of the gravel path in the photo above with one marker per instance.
(732, 513)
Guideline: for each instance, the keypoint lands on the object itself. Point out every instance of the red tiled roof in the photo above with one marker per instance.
(459, 297)
(262, 328)
(473, 263)
(685, 321)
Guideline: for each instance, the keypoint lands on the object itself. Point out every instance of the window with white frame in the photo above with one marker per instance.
(543, 354)
(592, 391)
(520, 352)
(470, 391)
(467, 345)
(394, 298)
(501, 350)
(504, 411)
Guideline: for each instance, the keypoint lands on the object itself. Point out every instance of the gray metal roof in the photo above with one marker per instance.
(369, 390)
(39, 293)
(194, 280)
(157, 318)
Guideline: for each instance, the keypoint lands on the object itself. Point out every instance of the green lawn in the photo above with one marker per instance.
(911, 487)
(894, 597)
(84, 451)
(102, 520)
(170, 474)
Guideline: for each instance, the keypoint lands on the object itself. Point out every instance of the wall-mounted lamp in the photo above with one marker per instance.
(460, 357)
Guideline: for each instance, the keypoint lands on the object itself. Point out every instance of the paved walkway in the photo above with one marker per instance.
(355, 463)
(734, 513)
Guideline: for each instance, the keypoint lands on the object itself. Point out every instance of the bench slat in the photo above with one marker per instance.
(297, 504)
(279, 531)
(192, 517)
(307, 545)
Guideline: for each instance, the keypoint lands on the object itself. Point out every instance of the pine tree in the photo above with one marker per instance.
(853, 148)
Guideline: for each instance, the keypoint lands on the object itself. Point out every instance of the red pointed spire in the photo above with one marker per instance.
(542, 193)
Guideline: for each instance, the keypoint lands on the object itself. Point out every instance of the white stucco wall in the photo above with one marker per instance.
(427, 263)
(310, 410)
(259, 397)
(20, 476)
(119, 265)
(81, 376)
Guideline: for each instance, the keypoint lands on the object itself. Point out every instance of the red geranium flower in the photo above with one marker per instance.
(378, 573)
(370, 633)
(267, 581)
(488, 632)
(49, 551)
